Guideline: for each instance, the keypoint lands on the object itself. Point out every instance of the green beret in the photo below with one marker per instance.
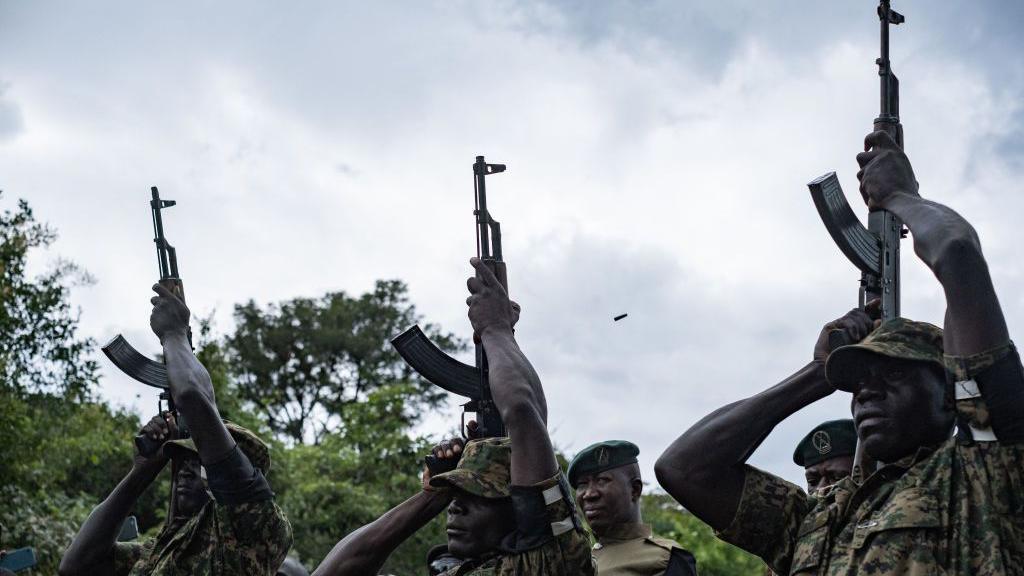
(897, 338)
(602, 456)
(828, 440)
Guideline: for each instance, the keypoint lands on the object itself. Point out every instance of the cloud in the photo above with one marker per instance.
(658, 158)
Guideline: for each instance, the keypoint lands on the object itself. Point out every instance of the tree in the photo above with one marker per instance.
(309, 359)
(61, 451)
(39, 350)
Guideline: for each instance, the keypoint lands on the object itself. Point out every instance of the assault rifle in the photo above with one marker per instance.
(874, 250)
(470, 382)
(126, 357)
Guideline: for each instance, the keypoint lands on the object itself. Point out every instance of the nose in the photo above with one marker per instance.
(868, 391)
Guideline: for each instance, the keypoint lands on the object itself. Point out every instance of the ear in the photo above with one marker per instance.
(636, 486)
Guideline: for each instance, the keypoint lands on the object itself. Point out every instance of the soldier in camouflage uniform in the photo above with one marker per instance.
(510, 510)
(223, 519)
(937, 503)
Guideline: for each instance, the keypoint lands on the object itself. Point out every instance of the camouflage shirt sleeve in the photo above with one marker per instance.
(260, 536)
(989, 389)
(128, 554)
(549, 538)
(768, 519)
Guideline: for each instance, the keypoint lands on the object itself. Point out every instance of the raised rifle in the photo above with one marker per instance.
(437, 367)
(874, 250)
(131, 361)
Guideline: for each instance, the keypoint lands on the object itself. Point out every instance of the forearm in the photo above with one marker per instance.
(95, 540)
(709, 482)
(193, 395)
(365, 550)
(519, 396)
(950, 247)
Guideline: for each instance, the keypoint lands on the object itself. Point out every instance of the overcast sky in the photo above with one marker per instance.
(658, 154)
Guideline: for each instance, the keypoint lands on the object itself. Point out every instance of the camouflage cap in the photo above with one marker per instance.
(484, 469)
(602, 456)
(250, 444)
(896, 338)
(828, 440)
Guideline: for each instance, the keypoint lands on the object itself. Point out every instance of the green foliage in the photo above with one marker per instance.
(61, 452)
(309, 359)
(45, 521)
(355, 475)
(714, 557)
(38, 347)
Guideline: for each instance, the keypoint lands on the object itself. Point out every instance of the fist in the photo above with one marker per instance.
(855, 326)
(449, 451)
(885, 171)
(489, 305)
(160, 429)
(169, 315)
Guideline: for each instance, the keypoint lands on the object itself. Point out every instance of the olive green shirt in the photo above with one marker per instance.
(631, 550)
(956, 508)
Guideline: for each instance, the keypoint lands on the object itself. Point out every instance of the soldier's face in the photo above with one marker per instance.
(899, 406)
(607, 498)
(190, 488)
(476, 525)
(826, 473)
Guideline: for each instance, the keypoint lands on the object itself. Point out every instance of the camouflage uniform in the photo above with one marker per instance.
(954, 508)
(243, 538)
(562, 549)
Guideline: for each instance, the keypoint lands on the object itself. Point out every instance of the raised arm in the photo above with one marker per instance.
(92, 550)
(975, 329)
(709, 482)
(944, 240)
(190, 383)
(515, 386)
(365, 550)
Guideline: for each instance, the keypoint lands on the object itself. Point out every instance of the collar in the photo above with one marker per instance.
(623, 532)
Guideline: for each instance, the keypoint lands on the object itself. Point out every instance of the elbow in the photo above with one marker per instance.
(522, 409)
(681, 468)
(958, 253)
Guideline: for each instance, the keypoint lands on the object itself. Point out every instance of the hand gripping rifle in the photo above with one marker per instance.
(874, 250)
(126, 357)
(430, 362)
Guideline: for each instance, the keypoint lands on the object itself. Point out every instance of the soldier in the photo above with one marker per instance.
(826, 453)
(937, 504)
(608, 486)
(223, 518)
(510, 510)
